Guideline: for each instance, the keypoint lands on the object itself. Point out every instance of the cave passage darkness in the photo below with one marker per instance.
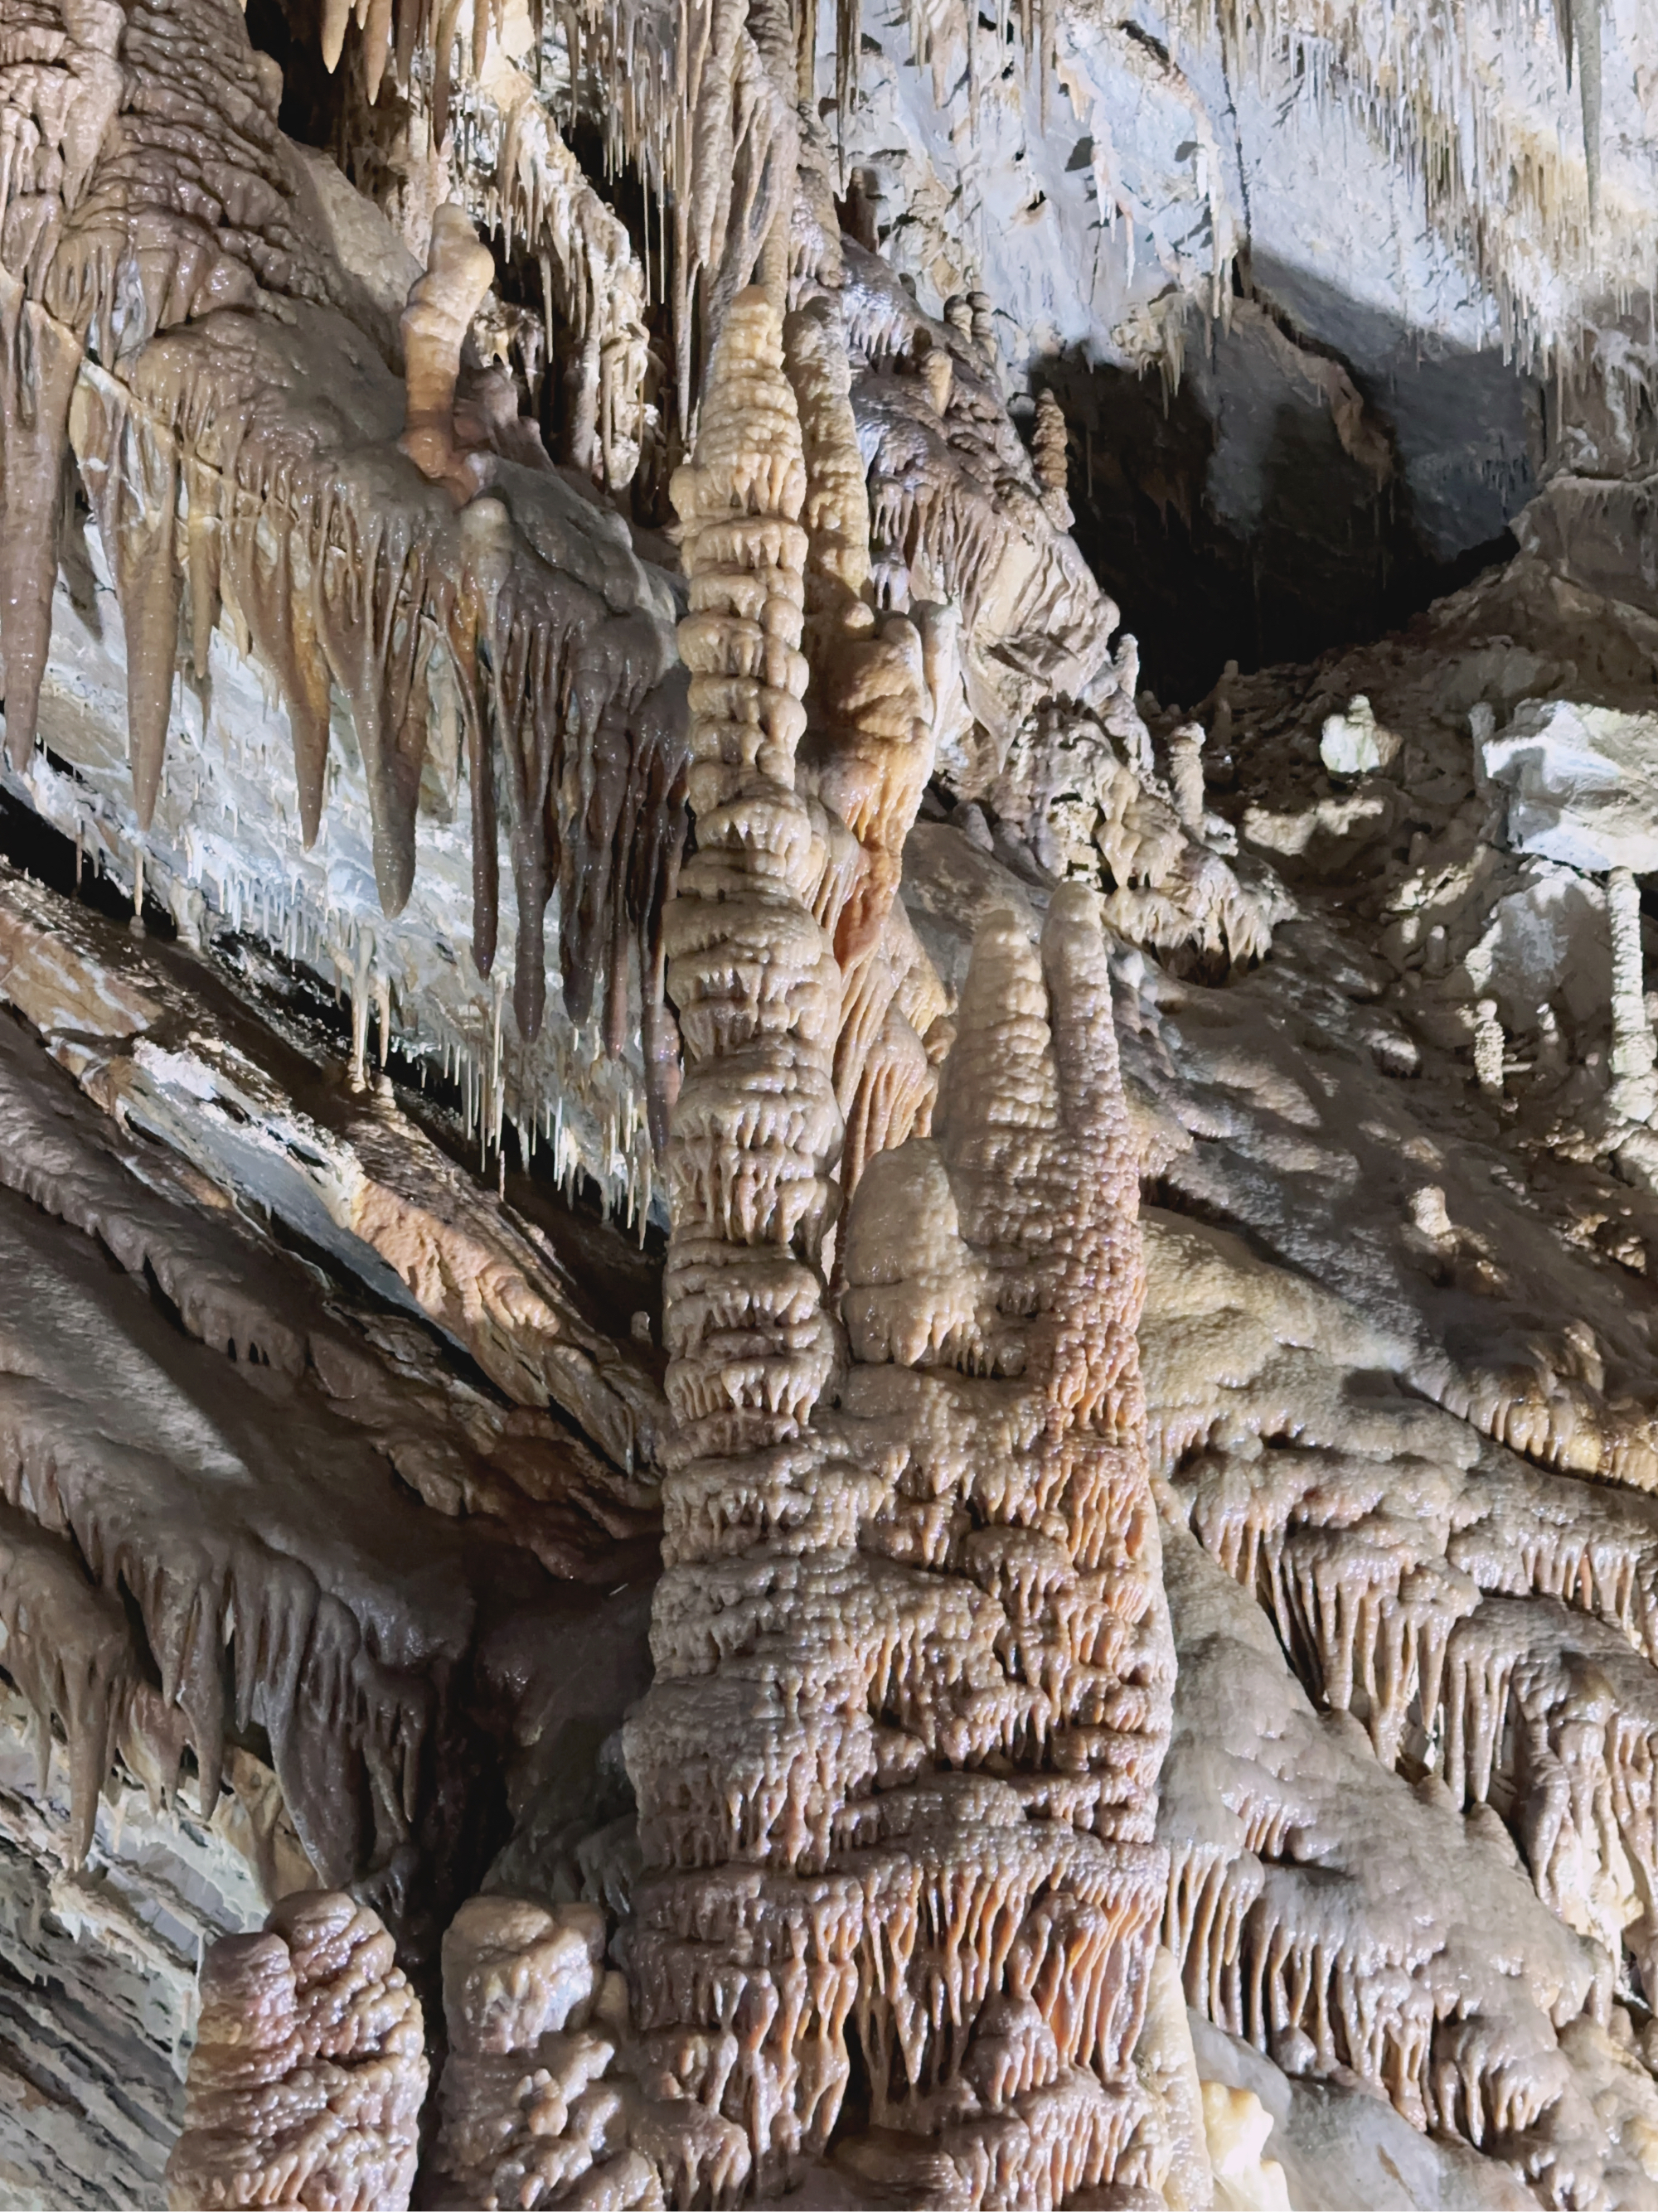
(1229, 520)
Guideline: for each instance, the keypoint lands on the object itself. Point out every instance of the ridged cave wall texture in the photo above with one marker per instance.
(828, 1110)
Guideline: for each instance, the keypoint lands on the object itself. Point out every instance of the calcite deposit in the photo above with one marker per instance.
(308, 2072)
(828, 1106)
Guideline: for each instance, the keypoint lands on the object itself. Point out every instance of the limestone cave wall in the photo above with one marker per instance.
(828, 1117)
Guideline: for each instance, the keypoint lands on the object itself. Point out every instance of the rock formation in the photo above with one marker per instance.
(975, 1522)
(309, 2073)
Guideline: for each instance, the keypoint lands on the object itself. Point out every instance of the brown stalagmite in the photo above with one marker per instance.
(874, 754)
(1048, 446)
(744, 1978)
(537, 2104)
(519, 1988)
(893, 1031)
(309, 2069)
(460, 270)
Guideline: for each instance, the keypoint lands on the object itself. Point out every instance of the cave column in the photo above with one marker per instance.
(1634, 1089)
(753, 1734)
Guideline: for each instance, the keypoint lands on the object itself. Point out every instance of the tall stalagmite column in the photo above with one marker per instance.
(751, 971)
(1634, 1055)
(897, 1773)
(743, 1978)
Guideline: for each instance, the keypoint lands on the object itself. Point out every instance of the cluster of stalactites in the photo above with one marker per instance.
(1486, 1631)
(710, 120)
(345, 569)
(1486, 168)
(118, 219)
(212, 462)
(1531, 197)
(309, 2068)
(591, 278)
(69, 1651)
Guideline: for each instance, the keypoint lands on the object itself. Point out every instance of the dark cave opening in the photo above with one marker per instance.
(314, 99)
(1292, 494)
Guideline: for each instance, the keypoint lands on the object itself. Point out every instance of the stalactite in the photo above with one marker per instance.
(597, 288)
(67, 1647)
(1584, 17)
(344, 569)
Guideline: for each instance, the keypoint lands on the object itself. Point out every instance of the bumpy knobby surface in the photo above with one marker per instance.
(897, 1777)
(309, 2073)
(920, 1873)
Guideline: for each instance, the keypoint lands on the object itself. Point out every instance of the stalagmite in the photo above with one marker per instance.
(871, 756)
(753, 1659)
(1489, 1045)
(846, 1819)
(537, 2104)
(308, 2072)
(751, 972)
(1048, 445)
(460, 270)
(1634, 1055)
(1185, 776)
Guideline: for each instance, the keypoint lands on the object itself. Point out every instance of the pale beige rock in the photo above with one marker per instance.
(1236, 2129)
(460, 270)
